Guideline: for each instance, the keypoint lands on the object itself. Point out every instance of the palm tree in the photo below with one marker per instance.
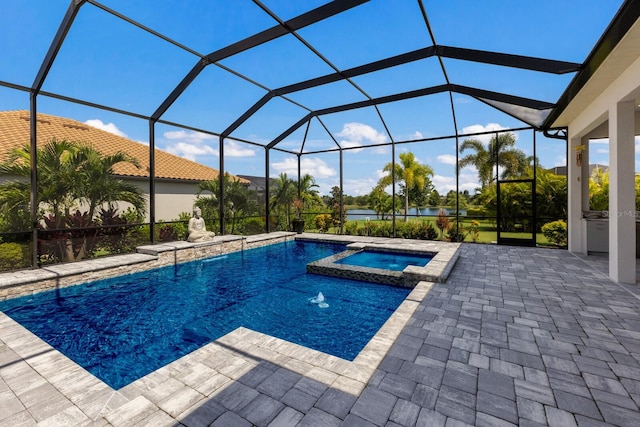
(285, 192)
(68, 175)
(308, 192)
(411, 173)
(512, 160)
(377, 201)
(237, 198)
(421, 192)
(96, 184)
(54, 179)
(551, 195)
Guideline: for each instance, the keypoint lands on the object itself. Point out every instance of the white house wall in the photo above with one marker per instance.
(172, 198)
(616, 102)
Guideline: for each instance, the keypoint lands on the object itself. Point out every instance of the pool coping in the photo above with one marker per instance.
(207, 370)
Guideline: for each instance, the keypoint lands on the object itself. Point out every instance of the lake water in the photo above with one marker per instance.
(355, 214)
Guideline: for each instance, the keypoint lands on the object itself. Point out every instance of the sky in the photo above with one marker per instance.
(105, 60)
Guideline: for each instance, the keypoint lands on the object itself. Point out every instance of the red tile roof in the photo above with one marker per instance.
(14, 133)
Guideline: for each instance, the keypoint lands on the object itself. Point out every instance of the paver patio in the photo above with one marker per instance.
(514, 336)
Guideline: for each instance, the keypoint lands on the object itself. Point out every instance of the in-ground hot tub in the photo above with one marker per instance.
(388, 263)
(386, 260)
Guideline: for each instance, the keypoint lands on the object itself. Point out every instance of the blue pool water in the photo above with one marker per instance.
(385, 260)
(123, 328)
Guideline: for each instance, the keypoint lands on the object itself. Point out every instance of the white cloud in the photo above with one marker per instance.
(560, 161)
(359, 187)
(602, 151)
(471, 169)
(480, 128)
(351, 144)
(190, 137)
(605, 141)
(234, 149)
(417, 135)
(190, 145)
(108, 127)
(466, 181)
(358, 134)
(190, 151)
(315, 167)
(447, 159)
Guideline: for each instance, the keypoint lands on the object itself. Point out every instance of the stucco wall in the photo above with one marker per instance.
(172, 198)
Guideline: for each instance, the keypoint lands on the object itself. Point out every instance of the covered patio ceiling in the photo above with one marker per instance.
(277, 74)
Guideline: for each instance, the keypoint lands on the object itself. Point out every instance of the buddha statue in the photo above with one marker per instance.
(197, 228)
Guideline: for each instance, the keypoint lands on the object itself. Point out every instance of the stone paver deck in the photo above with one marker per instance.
(515, 336)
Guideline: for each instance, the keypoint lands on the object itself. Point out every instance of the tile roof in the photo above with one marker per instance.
(14, 133)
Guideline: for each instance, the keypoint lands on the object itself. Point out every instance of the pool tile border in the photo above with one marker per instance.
(180, 388)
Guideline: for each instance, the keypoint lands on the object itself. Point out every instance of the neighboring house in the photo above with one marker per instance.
(259, 185)
(562, 170)
(176, 178)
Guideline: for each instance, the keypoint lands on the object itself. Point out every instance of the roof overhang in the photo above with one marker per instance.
(618, 48)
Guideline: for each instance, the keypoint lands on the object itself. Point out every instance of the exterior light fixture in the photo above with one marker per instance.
(579, 149)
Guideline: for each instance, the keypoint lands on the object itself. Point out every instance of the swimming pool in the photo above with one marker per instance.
(396, 261)
(122, 328)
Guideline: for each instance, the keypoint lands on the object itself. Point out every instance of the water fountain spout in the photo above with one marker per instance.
(319, 300)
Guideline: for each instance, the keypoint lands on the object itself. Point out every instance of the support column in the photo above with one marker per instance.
(267, 210)
(622, 221)
(221, 189)
(577, 240)
(34, 201)
(586, 202)
(152, 181)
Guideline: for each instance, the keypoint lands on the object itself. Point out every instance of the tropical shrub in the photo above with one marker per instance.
(12, 256)
(556, 232)
(253, 226)
(167, 232)
(416, 230)
(428, 232)
(114, 232)
(175, 230)
(323, 222)
(404, 229)
(351, 228)
(140, 235)
(456, 233)
(477, 212)
(474, 230)
(363, 231)
(442, 222)
(73, 240)
(382, 230)
(181, 226)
